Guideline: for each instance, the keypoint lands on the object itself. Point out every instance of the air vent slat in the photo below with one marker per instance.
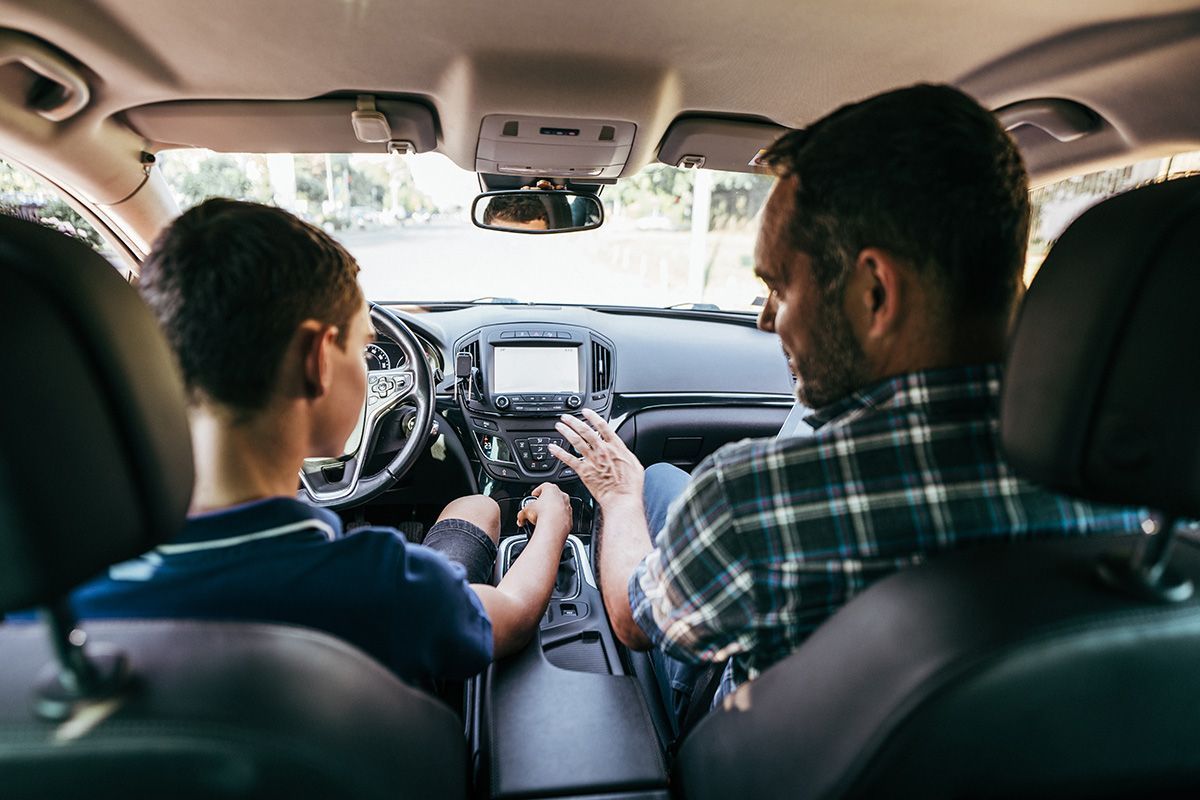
(601, 367)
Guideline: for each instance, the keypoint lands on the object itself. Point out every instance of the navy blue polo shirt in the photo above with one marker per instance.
(280, 560)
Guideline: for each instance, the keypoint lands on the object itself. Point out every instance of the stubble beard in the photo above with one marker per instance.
(835, 365)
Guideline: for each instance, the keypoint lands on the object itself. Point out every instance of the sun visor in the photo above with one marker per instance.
(553, 147)
(327, 125)
(716, 143)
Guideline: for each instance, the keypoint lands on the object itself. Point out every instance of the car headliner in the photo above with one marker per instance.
(788, 61)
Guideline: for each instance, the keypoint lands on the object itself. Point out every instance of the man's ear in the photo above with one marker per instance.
(881, 291)
(315, 340)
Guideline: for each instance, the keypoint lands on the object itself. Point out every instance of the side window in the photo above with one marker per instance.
(1057, 205)
(26, 196)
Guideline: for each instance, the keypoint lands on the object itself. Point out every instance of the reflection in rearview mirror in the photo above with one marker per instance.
(537, 211)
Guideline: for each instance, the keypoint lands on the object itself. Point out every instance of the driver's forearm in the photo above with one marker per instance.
(624, 542)
(516, 606)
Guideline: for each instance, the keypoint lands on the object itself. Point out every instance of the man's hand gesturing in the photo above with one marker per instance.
(605, 465)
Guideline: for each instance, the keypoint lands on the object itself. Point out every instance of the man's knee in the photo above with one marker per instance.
(478, 510)
(662, 484)
(662, 471)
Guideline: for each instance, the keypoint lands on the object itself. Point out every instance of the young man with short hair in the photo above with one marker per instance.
(267, 320)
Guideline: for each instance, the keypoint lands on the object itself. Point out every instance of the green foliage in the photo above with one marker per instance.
(660, 190)
(24, 196)
(737, 198)
(216, 176)
(335, 191)
(657, 191)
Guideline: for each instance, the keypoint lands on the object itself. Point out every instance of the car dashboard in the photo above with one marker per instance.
(675, 385)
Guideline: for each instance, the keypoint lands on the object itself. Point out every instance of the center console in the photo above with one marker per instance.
(516, 380)
(564, 717)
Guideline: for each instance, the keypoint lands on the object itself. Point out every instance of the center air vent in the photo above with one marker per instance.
(472, 347)
(601, 367)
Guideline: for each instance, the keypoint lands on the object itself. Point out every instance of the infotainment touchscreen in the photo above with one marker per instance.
(536, 369)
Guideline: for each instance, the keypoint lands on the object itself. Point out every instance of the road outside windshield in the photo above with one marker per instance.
(671, 237)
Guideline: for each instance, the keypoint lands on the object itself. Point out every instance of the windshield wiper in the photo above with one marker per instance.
(695, 306)
(495, 300)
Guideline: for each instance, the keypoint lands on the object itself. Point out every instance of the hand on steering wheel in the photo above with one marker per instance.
(387, 390)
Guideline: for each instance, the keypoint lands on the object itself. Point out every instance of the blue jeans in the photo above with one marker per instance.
(676, 679)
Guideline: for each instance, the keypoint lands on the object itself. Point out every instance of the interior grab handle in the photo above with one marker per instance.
(70, 93)
(1065, 120)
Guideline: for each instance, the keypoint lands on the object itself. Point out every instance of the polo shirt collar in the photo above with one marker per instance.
(252, 521)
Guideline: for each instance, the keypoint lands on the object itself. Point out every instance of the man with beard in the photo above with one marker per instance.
(892, 248)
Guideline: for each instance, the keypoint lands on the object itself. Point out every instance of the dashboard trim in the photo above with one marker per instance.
(653, 400)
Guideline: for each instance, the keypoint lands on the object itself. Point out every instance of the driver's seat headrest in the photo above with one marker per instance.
(1102, 386)
(95, 455)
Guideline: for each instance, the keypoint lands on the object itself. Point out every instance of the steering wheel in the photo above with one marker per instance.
(387, 390)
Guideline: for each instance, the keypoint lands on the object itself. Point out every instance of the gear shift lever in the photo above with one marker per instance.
(526, 529)
(566, 583)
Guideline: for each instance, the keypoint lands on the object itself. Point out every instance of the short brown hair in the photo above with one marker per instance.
(516, 208)
(230, 282)
(925, 173)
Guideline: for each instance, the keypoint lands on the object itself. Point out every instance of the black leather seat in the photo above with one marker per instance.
(95, 467)
(1064, 669)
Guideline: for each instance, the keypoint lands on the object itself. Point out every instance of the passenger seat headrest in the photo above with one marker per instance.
(95, 455)
(1101, 395)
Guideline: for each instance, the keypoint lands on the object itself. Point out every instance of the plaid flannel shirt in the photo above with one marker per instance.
(774, 535)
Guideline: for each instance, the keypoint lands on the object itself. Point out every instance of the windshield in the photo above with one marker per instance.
(671, 237)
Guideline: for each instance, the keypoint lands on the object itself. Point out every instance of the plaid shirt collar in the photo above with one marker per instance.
(909, 389)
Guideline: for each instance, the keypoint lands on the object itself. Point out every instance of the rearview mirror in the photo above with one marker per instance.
(537, 211)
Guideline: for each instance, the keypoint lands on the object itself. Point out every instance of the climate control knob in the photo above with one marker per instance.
(574, 401)
(502, 402)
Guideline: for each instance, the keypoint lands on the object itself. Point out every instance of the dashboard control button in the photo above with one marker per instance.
(567, 473)
(505, 472)
(574, 401)
(502, 402)
(508, 335)
(486, 424)
(564, 335)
